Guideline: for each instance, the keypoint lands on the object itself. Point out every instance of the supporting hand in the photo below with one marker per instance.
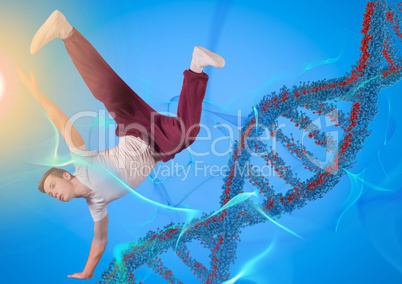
(80, 275)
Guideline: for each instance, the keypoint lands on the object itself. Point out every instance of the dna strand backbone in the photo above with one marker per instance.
(378, 67)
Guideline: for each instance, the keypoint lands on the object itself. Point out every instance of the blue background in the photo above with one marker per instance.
(352, 235)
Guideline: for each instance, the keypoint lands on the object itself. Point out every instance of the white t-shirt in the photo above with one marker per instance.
(112, 173)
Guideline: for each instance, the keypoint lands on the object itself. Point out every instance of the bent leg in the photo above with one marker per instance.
(190, 103)
(174, 134)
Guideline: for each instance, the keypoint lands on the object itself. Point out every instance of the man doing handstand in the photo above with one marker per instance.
(146, 136)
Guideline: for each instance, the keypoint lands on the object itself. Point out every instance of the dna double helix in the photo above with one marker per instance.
(378, 67)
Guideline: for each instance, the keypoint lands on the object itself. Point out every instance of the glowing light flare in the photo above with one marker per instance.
(256, 118)
(259, 209)
(151, 218)
(321, 62)
(241, 197)
(8, 83)
(2, 86)
(249, 267)
(373, 186)
(357, 184)
(350, 95)
(57, 137)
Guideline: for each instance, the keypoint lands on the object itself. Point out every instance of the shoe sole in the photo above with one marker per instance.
(43, 31)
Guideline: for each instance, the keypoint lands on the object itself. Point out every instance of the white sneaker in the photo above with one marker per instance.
(202, 57)
(56, 26)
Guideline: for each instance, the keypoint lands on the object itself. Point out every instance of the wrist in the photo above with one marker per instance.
(36, 94)
(87, 274)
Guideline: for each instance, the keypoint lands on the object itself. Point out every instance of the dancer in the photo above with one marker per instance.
(146, 136)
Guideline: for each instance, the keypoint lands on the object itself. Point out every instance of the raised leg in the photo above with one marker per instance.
(166, 135)
(131, 113)
(119, 99)
(190, 103)
(171, 135)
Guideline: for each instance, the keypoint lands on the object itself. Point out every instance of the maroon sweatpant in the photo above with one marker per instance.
(166, 135)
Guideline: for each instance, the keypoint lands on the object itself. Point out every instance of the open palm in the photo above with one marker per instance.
(30, 83)
(80, 275)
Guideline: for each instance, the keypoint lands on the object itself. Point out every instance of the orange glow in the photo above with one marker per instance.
(2, 87)
(7, 85)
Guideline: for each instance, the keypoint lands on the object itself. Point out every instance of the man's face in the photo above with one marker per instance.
(59, 188)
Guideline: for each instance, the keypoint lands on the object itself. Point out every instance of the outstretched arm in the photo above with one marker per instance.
(98, 246)
(56, 115)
